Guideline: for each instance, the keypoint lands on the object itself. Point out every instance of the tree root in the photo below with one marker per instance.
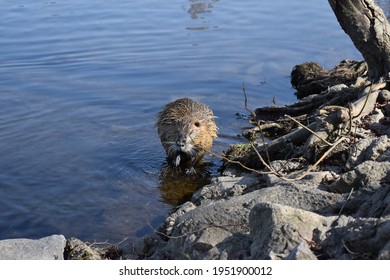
(317, 125)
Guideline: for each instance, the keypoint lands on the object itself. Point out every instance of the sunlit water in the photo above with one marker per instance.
(81, 82)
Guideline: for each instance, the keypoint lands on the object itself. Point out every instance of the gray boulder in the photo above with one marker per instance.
(368, 149)
(218, 228)
(282, 232)
(360, 238)
(47, 248)
(367, 176)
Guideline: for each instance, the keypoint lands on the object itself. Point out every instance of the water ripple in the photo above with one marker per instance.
(81, 82)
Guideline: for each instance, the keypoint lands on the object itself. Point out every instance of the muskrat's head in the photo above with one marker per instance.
(187, 129)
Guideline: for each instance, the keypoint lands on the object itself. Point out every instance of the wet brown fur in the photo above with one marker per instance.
(186, 129)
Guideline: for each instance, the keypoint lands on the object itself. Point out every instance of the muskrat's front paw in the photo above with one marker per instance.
(190, 171)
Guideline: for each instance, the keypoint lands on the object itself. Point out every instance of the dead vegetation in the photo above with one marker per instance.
(333, 106)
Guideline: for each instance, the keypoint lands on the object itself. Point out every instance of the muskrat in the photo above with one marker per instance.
(186, 129)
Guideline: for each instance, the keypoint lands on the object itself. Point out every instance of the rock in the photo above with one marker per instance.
(374, 205)
(206, 226)
(153, 248)
(78, 250)
(368, 149)
(169, 222)
(277, 230)
(206, 231)
(376, 116)
(277, 220)
(385, 156)
(47, 248)
(312, 179)
(236, 247)
(384, 96)
(304, 194)
(226, 186)
(384, 254)
(358, 153)
(367, 176)
(201, 232)
(301, 252)
(248, 216)
(286, 166)
(381, 128)
(386, 110)
(361, 238)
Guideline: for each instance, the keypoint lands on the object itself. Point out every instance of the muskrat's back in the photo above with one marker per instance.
(186, 129)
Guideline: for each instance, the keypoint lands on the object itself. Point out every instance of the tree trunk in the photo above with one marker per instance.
(367, 26)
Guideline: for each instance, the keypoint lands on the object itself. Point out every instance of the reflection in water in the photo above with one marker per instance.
(177, 187)
(200, 7)
(197, 9)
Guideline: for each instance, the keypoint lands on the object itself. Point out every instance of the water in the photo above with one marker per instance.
(81, 82)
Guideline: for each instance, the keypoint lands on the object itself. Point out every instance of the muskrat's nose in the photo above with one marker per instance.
(181, 143)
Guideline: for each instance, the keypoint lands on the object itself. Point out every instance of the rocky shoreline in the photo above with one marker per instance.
(339, 209)
(308, 200)
(246, 216)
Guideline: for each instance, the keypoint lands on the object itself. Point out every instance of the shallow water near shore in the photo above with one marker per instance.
(81, 82)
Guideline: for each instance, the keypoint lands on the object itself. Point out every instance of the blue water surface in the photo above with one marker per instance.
(81, 82)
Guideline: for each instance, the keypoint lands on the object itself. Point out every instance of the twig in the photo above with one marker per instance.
(272, 171)
(308, 129)
(253, 114)
(270, 168)
(350, 118)
(374, 88)
(268, 165)
(334, 145)
(245, 98)
(345, 202)
(263, 127)
(199, 230)
(346, 248)
(263, 140)
(240, 164)
(365, 102)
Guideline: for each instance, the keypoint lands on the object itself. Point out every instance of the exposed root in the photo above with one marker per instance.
(317, 128)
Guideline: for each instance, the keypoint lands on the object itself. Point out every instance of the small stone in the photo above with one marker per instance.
(301, 252)
(376, 116)
(384, 96)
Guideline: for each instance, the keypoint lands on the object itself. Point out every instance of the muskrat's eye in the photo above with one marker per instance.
(197, 124)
